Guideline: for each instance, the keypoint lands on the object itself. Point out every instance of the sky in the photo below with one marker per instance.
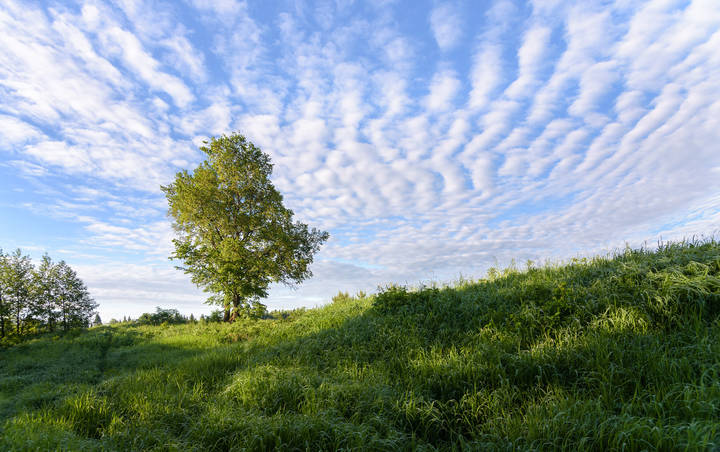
(433, 140)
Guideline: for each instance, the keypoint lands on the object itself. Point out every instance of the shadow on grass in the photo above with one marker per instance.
(372, 381)
(40, 372)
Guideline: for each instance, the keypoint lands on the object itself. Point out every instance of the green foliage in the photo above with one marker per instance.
(235, 237)
(618, 353)
(162, 316)
(215, 316)
(39, 299)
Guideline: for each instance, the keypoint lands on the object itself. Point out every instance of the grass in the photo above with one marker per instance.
(611, 353)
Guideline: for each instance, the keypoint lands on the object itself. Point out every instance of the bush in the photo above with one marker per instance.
(160, 316)
(400, 299)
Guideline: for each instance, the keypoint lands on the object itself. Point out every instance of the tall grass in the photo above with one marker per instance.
(610, 353)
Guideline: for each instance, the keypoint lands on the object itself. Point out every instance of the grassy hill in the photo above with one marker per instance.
(616, 353)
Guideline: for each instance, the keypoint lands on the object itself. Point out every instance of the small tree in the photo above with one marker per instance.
(97, 321)
(18, 280)
(76, 307)
(215, 316)
(4, 293)
(45, 286)
(235, 237)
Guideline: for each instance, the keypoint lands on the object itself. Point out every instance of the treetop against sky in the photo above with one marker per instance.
(429, 138)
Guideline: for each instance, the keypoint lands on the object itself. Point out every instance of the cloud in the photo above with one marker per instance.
(531, 56)
(119, 41)
(547, 129)
(443, 89)
(222, 8)
(185, 57)
(28, 169)
(486, 75)
(14, 131)
(446, 26)
(127, 289)
(60, 154)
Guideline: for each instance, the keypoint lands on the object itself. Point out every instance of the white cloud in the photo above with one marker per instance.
(422, 166)
(446, 26)
(486, 75)
(222, 8)
(28, 169)
(58, 153)
(531, 56)
(185, 57)
(13, 131)
(126, 289)
(152, 238)
(443, 89)
(589, 37)
(119, 41)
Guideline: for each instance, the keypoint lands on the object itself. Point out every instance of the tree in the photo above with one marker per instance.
(18, 281)
(74, 301)
(39, 298)
(160, 316)
(235, 237)
(98, 321)
(215, 316)
(4, 289)
(44, 292)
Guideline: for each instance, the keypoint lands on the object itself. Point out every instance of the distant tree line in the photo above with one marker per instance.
(163, 316)
(125, 319)
(48, 297)
(160, 316)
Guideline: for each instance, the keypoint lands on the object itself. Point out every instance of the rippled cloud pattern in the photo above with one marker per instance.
(432, 139)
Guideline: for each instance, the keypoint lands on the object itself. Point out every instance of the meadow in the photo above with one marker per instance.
(618, 352)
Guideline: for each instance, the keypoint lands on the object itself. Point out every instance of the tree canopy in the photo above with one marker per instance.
(41, 298)
(234, 235)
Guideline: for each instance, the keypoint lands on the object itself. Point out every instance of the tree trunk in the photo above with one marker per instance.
(236, 305)
(226, 315)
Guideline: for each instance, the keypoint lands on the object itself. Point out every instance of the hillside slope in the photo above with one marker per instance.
(606, 354)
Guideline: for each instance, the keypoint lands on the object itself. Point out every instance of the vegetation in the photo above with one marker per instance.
(235, 235)
(160, 316)
(40, 299)
(617, 353)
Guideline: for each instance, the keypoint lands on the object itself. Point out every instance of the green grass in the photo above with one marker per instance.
(616, 353)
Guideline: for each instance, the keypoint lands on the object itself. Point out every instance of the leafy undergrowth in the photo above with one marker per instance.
(617, 353)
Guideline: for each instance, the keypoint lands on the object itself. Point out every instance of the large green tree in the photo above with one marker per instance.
(235, 237)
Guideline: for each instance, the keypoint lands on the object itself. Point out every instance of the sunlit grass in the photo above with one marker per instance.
(611, 353)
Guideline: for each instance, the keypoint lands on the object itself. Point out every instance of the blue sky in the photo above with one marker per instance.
(431, 139)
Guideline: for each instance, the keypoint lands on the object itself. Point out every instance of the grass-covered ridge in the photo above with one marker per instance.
(605, 354)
